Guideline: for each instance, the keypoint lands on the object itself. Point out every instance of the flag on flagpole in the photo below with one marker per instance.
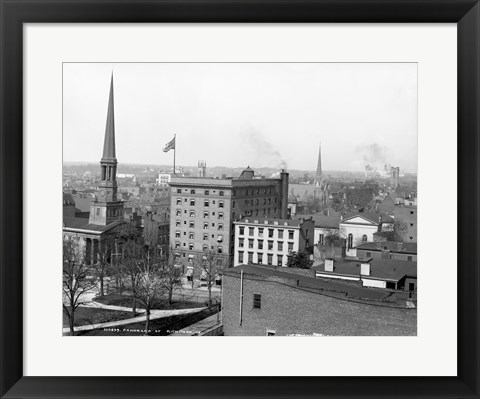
(170, 145)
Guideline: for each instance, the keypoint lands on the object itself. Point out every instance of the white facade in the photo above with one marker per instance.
(374, 283)
(357, 230)
(163, 179)
(267, 242)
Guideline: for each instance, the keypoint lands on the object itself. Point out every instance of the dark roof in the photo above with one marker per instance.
(82, 224)
(292, 198)
(302, 281)
(380, 269)
(403, 247)
(373, 217)
(321, 220)
(68, 199)
(83, 204)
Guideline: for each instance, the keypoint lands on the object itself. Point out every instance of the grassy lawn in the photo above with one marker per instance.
(85, 316)
(126, 300)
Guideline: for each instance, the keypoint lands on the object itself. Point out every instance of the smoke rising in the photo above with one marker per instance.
(259, 149)
(374, 155)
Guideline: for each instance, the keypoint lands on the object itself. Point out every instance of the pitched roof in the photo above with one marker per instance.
(330, 222)
(76, 223)
(370, 216)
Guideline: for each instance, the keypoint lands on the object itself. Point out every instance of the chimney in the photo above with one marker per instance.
(329, 265)
(284, 194)
(365, 269)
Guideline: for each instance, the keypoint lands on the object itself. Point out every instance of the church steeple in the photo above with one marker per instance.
(318, 176)
(106, 208)
(109, 142)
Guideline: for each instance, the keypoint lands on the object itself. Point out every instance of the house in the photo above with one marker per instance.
(378, 273)
(267, 301)
(325, 227)
(359, 227)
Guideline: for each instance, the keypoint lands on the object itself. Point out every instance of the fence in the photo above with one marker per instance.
(194, 298)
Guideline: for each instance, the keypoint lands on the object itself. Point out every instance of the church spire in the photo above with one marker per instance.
(318, 176)
(107, 208)
(109, 143)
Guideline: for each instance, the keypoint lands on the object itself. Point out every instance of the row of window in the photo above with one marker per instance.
(254, 191)
(266, 201)
(205, 202)
(191, 225)
(177, 255)
(270, 244)
(206, 214)
(191, 236)
(260, 258)
(261, 232)
(205, 247)
(194, 191)
(222, 193)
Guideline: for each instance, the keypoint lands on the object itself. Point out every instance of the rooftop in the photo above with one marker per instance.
(331, 222)
(404, 247)
(372, 217)
(392, 270)
(81, 224)
(271, 222)
(298, 281)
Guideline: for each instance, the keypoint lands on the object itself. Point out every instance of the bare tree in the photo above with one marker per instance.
(172, 274)
(77, 278)
(130, 265)
(102, 267)
(151, 284)
(210, 265)
(127, 238)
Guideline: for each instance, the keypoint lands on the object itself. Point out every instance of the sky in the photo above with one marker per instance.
(239, 114)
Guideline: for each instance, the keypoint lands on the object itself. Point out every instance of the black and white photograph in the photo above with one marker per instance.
(239, 199)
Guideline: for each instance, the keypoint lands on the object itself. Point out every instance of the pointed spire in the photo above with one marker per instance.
(318, 176)
(109, 143)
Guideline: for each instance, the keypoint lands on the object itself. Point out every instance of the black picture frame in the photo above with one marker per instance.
(465, 13)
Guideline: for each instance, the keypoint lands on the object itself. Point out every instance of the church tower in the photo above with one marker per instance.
(318, 176)
(106, 208)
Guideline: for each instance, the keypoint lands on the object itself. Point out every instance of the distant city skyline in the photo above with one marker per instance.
(238, 114)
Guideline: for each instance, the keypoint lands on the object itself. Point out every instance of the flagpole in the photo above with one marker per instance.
(174, 151)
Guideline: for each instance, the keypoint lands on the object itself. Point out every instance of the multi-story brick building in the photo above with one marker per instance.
(269, 241)
(261, 300)
(408, 216)
(156, 231)
(203, 211)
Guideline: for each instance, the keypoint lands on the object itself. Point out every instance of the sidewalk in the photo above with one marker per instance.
(155, 314)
